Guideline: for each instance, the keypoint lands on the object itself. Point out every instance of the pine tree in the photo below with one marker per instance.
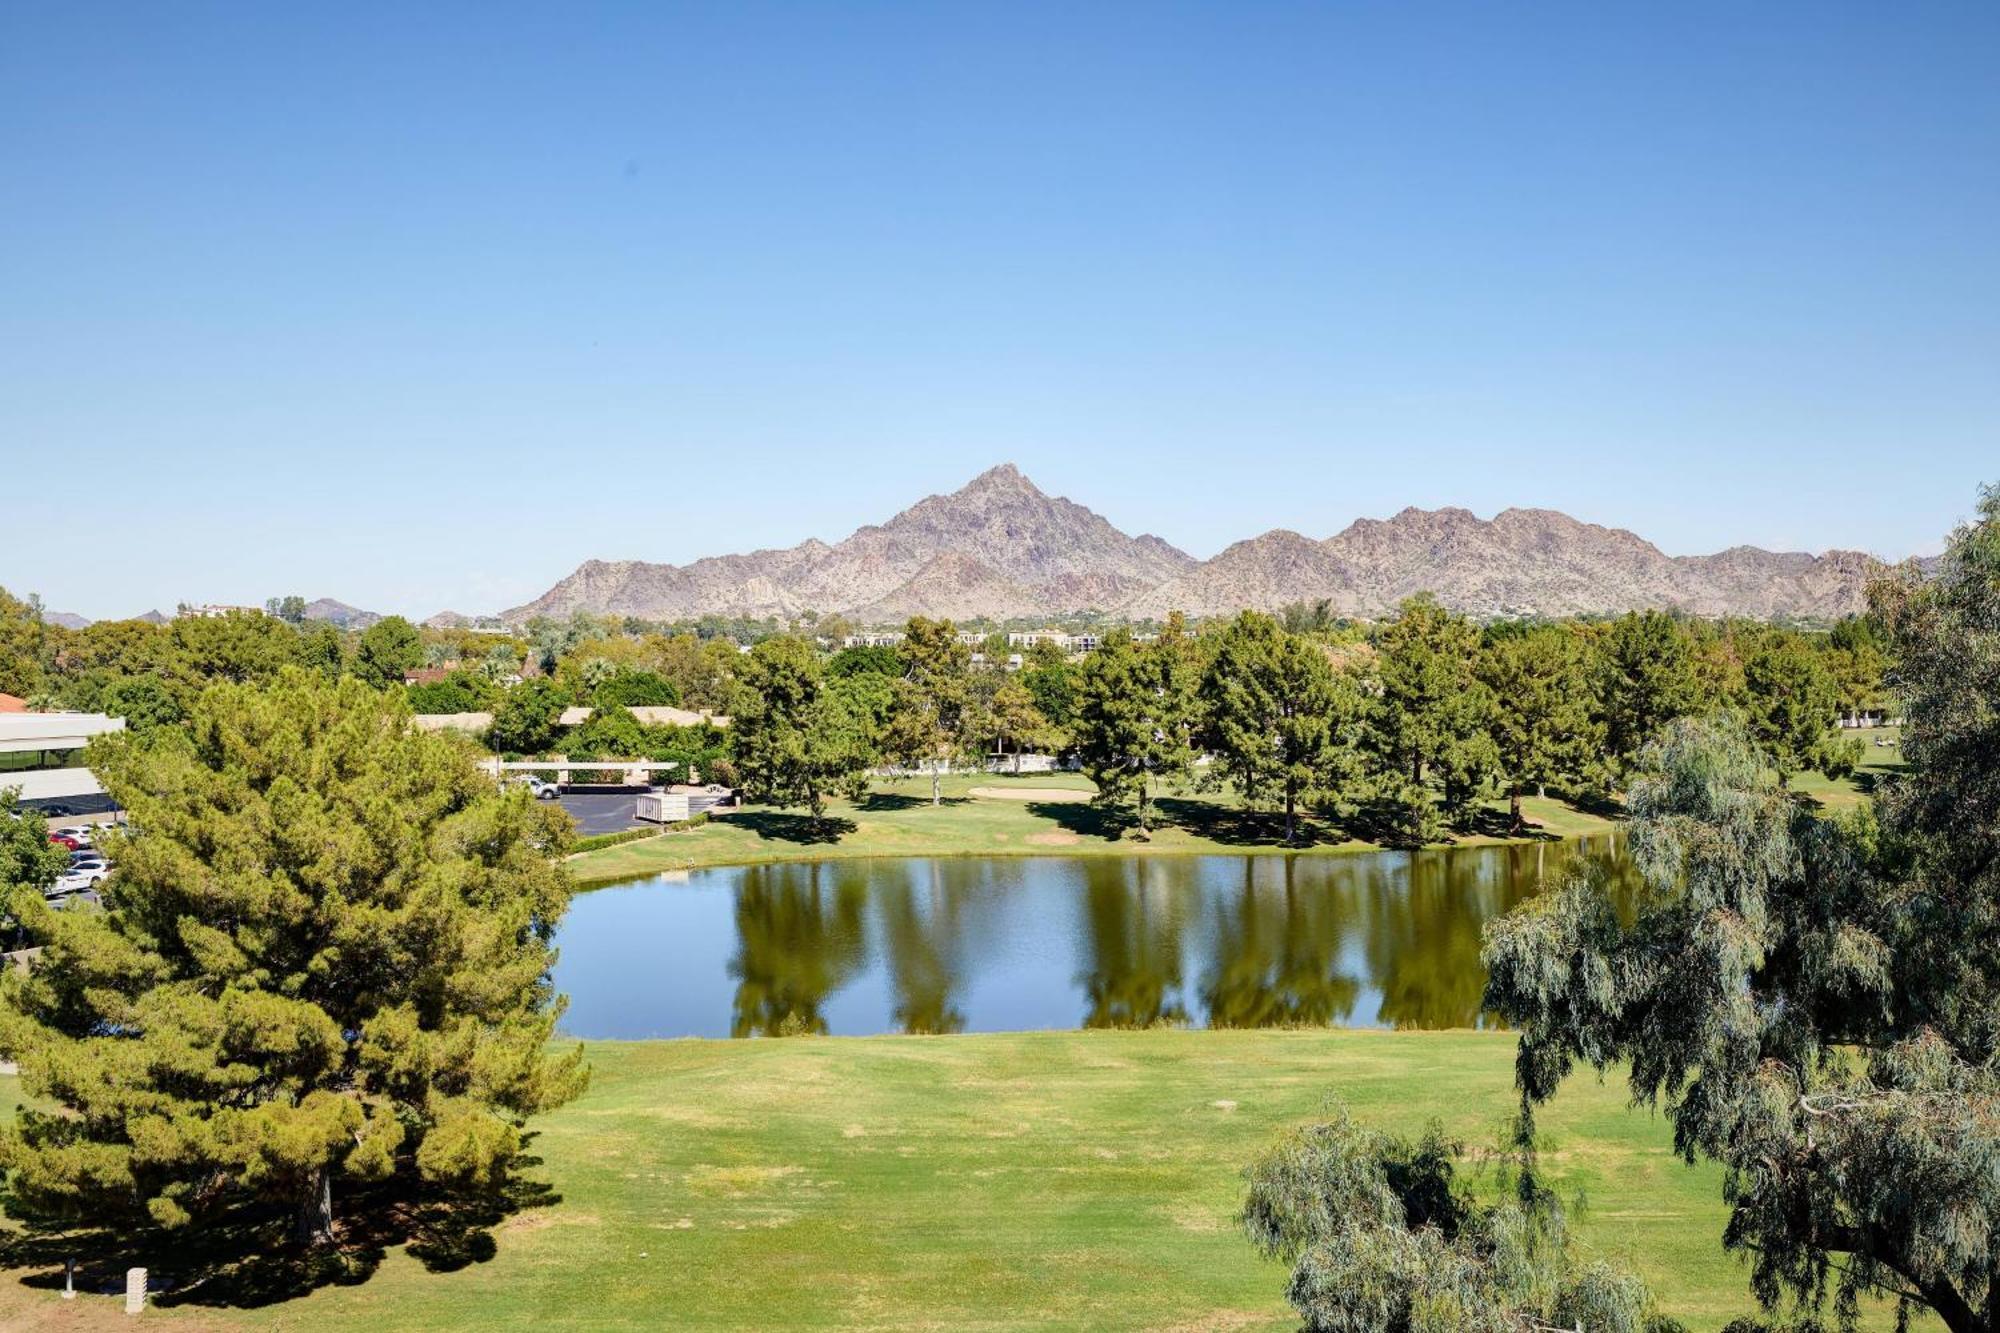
(1430, 717)
(1278, 718)
(1541, 721)
(324, 955)
(1646, 678)
(1793, 700)
(1135, 717)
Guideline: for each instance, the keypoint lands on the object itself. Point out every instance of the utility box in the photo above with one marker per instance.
(663, 807)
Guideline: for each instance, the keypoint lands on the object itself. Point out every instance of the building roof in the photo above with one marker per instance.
(29, 732)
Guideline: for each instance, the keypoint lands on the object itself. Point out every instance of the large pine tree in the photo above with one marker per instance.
(324, 955)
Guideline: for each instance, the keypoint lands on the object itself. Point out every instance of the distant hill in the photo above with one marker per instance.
(999, 547)
(67, 619)
(340, 613)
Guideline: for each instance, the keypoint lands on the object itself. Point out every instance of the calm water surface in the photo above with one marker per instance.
(1386, 939)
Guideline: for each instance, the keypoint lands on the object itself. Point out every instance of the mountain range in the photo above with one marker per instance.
(1003, 549)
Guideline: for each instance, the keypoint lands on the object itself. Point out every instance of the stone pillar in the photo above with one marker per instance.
(135, 1290)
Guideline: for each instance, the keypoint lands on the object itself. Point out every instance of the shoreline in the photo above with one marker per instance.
(1080, 850)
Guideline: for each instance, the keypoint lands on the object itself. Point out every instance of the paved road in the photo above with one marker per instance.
(602, 812)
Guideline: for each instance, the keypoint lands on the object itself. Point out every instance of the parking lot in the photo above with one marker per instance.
(602, 811)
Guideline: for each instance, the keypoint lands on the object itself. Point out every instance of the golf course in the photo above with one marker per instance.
(1034, 1180)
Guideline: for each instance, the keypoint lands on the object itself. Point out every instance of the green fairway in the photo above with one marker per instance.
(1881, 754)
(1069, 1180)
(1009, 817)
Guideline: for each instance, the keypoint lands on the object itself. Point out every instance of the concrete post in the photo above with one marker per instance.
(69, 1278)
(135, 1290)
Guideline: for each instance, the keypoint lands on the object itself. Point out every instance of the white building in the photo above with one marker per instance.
(38, 756)
(216, 611)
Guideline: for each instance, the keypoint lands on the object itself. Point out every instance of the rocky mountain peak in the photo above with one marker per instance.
(1001, 547)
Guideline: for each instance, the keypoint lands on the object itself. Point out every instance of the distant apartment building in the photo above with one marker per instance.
(887, 639)
(215, 611)
(1069, 643)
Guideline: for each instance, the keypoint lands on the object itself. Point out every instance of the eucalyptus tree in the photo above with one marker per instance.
(1280, 720)
(28, 860)
(528, 720)
(23, 644)
(1048, 675)
(1016, 724)
(1815, 1002)
(1383, 1238)
(797, 741)
(387, 651)
(324, 955)
(934, 721)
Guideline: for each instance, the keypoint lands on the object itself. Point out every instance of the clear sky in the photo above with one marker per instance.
(418, 306)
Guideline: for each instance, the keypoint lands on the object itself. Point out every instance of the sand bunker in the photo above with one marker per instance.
(1031, 794)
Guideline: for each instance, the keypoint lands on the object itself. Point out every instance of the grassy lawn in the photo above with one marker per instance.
(1006, 819)
(1882, 753)
(897, 819)
(1047, 1180)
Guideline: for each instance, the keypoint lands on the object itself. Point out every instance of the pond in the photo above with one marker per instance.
(970, 944)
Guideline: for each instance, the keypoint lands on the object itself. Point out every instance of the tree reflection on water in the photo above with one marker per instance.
(1390, 939)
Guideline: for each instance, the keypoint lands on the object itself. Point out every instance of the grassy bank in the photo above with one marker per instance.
(1070, 1180)
(1006, 816)
(991, 815)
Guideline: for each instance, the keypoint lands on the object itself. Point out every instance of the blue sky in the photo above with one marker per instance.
(418, 306)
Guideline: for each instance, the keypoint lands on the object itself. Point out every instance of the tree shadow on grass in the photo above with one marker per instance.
(246, 1259)
(880, 802)
(1084, 820)
(1230, 826)
(1485, 823)
(1602, 804)
(1236, 826)
(779, 826)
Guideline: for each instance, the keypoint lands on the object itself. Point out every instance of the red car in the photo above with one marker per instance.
(64, 840)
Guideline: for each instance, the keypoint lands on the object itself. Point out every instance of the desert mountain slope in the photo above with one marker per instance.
(1003, 534)
(1001, 548)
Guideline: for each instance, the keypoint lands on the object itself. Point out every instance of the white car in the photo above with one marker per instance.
(77, 833)
(542, 789)
(77, 880)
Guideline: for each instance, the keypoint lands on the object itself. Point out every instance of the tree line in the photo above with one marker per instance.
(1408, 725)
(1412, 722)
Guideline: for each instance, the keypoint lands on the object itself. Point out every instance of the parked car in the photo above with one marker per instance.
(64, 840)
(76, 881)
(87, 861)
(543, 789)
(83, 834)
